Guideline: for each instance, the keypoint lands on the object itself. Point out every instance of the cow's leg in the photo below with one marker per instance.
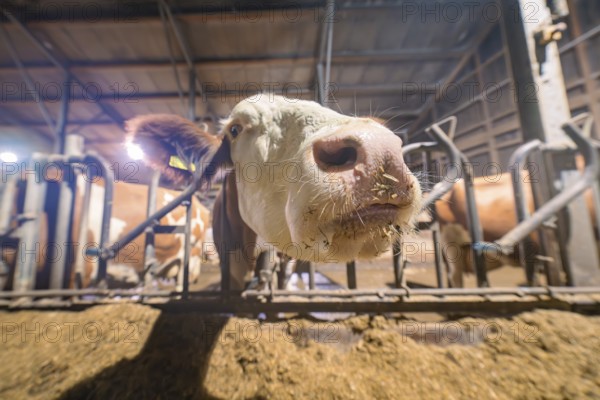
(455, 242)
(239, 265)
(263, 271)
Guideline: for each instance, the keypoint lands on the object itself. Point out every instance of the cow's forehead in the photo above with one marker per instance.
(266, 107)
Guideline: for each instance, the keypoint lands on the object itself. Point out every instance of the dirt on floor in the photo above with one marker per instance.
(133, 351)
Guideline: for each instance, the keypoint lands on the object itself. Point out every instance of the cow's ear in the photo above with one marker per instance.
(172, 144)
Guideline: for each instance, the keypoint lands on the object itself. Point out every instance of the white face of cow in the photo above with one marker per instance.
(319, 185)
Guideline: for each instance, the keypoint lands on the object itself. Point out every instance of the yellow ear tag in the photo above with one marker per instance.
(176, 162)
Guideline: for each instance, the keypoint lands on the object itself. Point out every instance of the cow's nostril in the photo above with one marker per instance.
(336, 155)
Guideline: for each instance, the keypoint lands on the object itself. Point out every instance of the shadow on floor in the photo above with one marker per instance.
(172, 364)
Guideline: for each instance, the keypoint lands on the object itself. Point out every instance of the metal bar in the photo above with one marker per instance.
(287, 59)
(163, 19)
(580, 39)
(9, 194)
(453, 306)
(458, 162)
(112, 250)
(444, 142)
(398, 263)
(185, 49)
(149, 249)
(192, 96)
(224, 260)
(435, 292)
(281, 273)
(588, 178)
(168, 229)
(73, 145)
(330, 16)
(27, 254)
(207, 172)
(351, 274)
(185, 268)
(320, 92)
(183, 43)
(517, 163)
(80, 259)
(551, 291)
(212, 91)
(311, 276)
(439, 272)
(109, 180)
(63, 119)
(89, 158)
(474, 226)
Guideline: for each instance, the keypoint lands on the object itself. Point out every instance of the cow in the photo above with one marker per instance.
(129, 209)
(312, 183)
(497, 213)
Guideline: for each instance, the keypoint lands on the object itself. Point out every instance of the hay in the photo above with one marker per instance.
(142, 353)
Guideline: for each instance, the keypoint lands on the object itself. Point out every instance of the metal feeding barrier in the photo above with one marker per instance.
(27, 234)
(529, 223)
(458, 166)
(275, 299)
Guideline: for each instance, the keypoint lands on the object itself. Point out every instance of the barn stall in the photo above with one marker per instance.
(472, 88)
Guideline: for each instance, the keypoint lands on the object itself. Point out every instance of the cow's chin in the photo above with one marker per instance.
(362, 234)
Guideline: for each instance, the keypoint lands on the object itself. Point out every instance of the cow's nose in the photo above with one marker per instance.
(336, 154)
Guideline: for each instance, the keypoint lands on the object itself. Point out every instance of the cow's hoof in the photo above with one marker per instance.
(256, 284)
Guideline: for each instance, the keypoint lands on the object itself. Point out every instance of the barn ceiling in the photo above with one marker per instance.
(124, 59)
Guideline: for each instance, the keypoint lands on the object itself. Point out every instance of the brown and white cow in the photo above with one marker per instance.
(129, 209)
(497, 213)
(315, 184)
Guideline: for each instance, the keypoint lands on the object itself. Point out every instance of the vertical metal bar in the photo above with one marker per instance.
(320, 86)
(109, 180)
(435, 226)
(149, 249)
(281, 273)
(516, 163)
(192, 96)
(80, 257)
(186, 251)
(397, 262)
(28, 254)
(554, 246)
(224, 258)
(72, 145)
(474, 226)
(522, 66)
(311, 275)
(330, 14)
(351, 274)
(7, 203)
(182, 41)
(437, 254)
(63, 119)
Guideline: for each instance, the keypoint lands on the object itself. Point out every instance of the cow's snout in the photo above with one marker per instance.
(366, 159)
(336, 154)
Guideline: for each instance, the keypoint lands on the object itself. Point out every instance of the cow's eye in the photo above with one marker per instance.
(235, 130)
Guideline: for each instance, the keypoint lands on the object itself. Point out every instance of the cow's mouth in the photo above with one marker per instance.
(373, 214)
